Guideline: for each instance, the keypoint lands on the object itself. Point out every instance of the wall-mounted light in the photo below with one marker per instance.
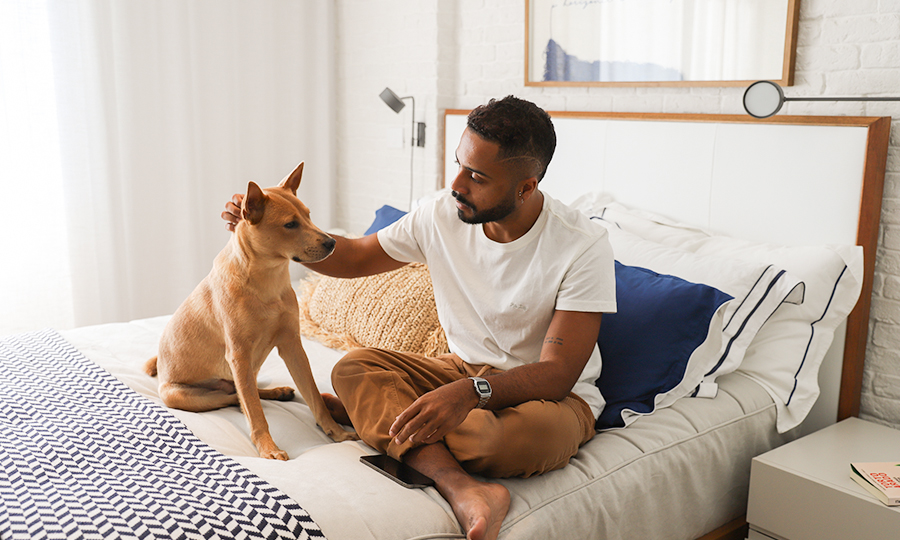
(417, 129)
(763, 99)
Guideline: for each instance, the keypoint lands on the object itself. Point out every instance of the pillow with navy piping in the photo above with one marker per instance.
(757, 291)
(646, 345)
(788, 351)
(787, 354)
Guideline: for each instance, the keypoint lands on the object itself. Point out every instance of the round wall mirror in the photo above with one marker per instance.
(762, 99)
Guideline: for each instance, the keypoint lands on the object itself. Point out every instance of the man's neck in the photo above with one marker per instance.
(515, 225)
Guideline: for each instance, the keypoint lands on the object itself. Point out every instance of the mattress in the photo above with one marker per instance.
(677, 473)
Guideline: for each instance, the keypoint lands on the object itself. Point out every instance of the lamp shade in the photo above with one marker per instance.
(762, 99)
(392, 100)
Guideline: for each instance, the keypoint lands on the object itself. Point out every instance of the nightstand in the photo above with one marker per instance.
(803, 490)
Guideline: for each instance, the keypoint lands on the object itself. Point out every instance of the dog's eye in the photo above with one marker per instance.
(291, 225)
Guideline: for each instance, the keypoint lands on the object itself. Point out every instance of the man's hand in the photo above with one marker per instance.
(435, 414)
(232, 213)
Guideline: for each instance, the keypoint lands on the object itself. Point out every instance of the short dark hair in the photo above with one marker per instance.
(520, 128)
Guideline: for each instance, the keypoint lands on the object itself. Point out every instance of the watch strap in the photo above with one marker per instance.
(483, 389)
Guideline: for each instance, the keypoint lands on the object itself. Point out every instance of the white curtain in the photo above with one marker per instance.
(124, 129)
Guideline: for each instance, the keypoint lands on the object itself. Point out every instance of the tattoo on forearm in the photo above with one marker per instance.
(553, 341)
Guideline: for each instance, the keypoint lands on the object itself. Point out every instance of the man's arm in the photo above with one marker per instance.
(356, 257)
(352, 257)
(568, 345)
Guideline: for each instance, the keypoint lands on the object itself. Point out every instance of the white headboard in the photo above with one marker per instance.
(786, 180)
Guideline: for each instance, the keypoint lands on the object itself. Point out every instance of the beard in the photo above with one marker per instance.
(496, 213)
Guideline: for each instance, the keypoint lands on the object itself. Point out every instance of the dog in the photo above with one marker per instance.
(212, 349)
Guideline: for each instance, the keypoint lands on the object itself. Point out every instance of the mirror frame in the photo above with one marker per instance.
(787, 75)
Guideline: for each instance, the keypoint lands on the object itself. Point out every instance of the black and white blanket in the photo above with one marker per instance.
(84, 456)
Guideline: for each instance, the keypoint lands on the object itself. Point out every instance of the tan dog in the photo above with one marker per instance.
(213, 347)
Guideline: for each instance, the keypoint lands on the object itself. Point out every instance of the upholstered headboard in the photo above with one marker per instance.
(794, 180)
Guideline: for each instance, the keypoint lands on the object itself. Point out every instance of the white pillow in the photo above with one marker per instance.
(647, 225)
(787, 352)
(758, 289)
(786, 356)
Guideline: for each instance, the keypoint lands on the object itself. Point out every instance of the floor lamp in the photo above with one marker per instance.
(417, 130)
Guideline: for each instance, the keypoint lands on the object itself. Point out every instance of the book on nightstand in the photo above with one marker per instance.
(879, 479)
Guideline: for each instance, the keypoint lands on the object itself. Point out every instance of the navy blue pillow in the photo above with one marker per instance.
(384, 216)
(646, 344)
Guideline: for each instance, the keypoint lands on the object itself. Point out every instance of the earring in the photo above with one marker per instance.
(520, 197)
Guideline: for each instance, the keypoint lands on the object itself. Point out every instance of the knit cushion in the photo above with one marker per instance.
(394, 310)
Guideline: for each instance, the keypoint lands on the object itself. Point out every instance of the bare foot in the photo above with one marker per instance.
(479, 506)
(336, 408)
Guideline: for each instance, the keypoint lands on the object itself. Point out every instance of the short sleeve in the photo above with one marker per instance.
(403, 239)
(590, 283)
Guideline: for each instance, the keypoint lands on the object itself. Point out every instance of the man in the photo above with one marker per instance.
(520, 284)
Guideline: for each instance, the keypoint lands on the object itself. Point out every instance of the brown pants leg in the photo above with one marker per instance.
(535, 437)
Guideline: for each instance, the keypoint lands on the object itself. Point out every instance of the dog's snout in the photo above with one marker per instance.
(320, 247)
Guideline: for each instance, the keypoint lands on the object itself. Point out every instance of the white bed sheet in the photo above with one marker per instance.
(678, 473)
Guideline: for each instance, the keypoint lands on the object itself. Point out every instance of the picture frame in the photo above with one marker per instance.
(660, 42)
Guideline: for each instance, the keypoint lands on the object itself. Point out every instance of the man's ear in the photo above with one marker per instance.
(528, 187)
(254, 204)
(292, 182)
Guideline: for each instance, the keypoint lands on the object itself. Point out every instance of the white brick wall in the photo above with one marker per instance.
(460, 53)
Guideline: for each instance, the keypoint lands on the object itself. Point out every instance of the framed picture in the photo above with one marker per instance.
(659, 42)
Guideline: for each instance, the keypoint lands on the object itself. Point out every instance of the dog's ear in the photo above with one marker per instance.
(292, 182)
(254, 204)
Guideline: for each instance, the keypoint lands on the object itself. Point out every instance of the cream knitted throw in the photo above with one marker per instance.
(394, 310)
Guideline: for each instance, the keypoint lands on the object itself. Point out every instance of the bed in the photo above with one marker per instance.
(708, 201)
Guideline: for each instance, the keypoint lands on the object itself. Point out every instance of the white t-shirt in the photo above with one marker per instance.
(495, 300)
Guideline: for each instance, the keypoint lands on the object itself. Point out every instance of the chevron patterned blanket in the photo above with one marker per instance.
(84, 456)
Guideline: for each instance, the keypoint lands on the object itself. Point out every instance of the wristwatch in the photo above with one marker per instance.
(483, 389)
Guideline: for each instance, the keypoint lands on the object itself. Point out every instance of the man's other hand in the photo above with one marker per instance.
(232, 213)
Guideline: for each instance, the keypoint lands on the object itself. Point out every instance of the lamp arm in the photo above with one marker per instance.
(412, 131)
(842, 98)
(412, 146)
(412, 150)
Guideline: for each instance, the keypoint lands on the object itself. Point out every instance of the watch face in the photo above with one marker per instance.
(483, 387)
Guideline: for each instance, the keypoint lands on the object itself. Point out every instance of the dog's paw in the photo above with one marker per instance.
(277, 453)
(282, 393)
(340, 435)
(286, 393)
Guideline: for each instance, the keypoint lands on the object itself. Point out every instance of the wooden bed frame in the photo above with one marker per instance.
(876, 132)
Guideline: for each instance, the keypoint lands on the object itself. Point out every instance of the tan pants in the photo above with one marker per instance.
(537, 436)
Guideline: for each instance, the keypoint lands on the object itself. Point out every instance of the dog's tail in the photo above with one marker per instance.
(150, 367)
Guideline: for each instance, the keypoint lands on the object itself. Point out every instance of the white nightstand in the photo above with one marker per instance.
(803, 490)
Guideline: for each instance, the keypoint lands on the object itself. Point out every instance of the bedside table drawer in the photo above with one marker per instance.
(756, 535)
